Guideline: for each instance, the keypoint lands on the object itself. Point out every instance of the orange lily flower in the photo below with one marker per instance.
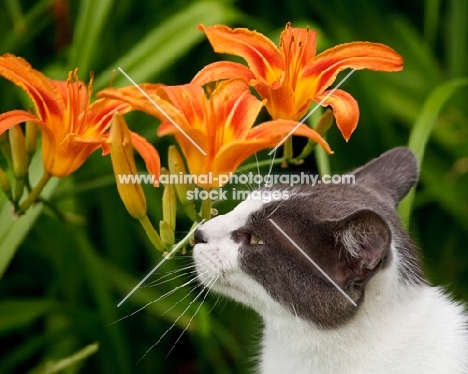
(220, 125)
(71, 127)
(291, 77)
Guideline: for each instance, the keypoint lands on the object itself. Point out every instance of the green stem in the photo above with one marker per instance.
(34, 195)
(287, 152)
(152, 234)
(206, 209)
(254, 165)
(307, 150)
(19, 188)
(323, 161)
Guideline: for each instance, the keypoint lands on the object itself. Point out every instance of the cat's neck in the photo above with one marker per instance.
(393, 318)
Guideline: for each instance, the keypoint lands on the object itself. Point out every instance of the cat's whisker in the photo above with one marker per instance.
(248, 185)
(161, 281)
(184, 232)
(169, 273)
(298, 321)
(158, 299)
(181, 258)
(208, 287)
(188, 294)
(214, 305)
(277, 207)
(158, 282)
(175, 322)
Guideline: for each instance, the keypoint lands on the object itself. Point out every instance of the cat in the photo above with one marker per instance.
(335, 278)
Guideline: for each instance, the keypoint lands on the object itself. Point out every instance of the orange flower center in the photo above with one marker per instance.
(78, 99)
(293, 47)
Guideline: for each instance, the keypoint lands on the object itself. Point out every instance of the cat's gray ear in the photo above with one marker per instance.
(363, 240)
(393, 173)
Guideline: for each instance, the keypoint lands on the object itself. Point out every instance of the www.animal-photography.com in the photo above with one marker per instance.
(233, 187)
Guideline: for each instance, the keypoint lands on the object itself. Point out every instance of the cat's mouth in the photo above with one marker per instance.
(207, 264)
(210, 266)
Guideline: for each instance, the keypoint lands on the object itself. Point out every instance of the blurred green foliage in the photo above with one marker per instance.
(71, 265)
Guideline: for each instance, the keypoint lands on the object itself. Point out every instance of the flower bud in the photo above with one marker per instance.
(18, 151)
(31, 140)
(123, 163)
(5, 184)
(166, 233)
(176, 166)
(18, 155)
(324, 123)
(5, 147)
(169, 205)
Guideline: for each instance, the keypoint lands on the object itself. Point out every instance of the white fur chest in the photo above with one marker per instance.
(418, 336)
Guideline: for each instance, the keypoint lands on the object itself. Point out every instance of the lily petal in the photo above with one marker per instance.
(345, 110)
(149, 155)
(280, 102)
(228, 114)
(357, 55)
(266, 135)
(232, 155)
(222, 70)
(138, 101)
(261, 54)
(66, 157)
(275, 131)
(101, 113)
(197, 162)
(232, 111)
(188, 99)
(42, 93)
(13, 117)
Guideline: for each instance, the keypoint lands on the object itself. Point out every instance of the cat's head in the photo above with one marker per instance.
(273, 255)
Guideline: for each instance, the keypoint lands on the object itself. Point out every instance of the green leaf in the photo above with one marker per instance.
(457, 39)
(164, 308)
(15, 314)
(32, 23)
(431, 20)
(14, 229)
(57, 366)
(92, 16)
(422, 129)
(17, 16)
(100, 293)
(17, 356)
(166, 43)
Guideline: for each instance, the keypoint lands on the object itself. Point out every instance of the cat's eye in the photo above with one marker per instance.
(255, 240)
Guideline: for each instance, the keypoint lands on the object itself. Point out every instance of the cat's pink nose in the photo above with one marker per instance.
(199, 237)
